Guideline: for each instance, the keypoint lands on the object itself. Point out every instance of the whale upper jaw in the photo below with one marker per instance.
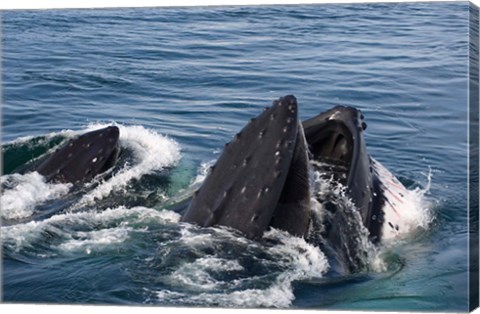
(335, 137)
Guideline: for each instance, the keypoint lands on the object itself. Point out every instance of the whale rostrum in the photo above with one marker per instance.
(82, 158)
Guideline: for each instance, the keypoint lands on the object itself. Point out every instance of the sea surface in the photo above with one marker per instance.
(179, 83)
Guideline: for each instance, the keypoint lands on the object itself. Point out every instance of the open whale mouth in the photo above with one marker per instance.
(332, 150)
(332, 139)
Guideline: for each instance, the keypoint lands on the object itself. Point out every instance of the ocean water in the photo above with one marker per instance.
(179, 83)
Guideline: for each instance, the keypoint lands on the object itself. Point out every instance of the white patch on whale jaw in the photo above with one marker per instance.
(404, 210)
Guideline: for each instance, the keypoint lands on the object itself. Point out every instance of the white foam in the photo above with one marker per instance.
(294, 256)
(202, 173)
(85, 241)
(330, 189)
(29, 190)
(197, 274)
(305, 259)
(85, 230)
(152, 152)
(409, 209)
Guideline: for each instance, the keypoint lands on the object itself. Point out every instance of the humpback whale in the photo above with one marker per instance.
(82, 158)
(262, 179)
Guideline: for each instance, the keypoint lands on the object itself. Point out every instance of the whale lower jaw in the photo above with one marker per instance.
(261, 178)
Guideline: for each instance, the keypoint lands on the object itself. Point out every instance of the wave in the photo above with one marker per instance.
(85, 231)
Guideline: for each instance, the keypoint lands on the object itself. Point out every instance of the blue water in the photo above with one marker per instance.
(186, 80)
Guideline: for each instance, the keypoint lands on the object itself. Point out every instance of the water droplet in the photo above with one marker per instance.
(94, 160)
(243, 190)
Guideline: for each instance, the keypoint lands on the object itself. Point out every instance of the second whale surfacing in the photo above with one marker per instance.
(83, 157)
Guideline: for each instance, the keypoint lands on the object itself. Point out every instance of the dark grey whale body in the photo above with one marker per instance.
(82, 158)
(261, 179)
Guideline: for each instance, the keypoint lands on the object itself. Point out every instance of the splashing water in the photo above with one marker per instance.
(21, 193)
(415, 209)
(261, 273)
(84, 231)
(152, 152)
